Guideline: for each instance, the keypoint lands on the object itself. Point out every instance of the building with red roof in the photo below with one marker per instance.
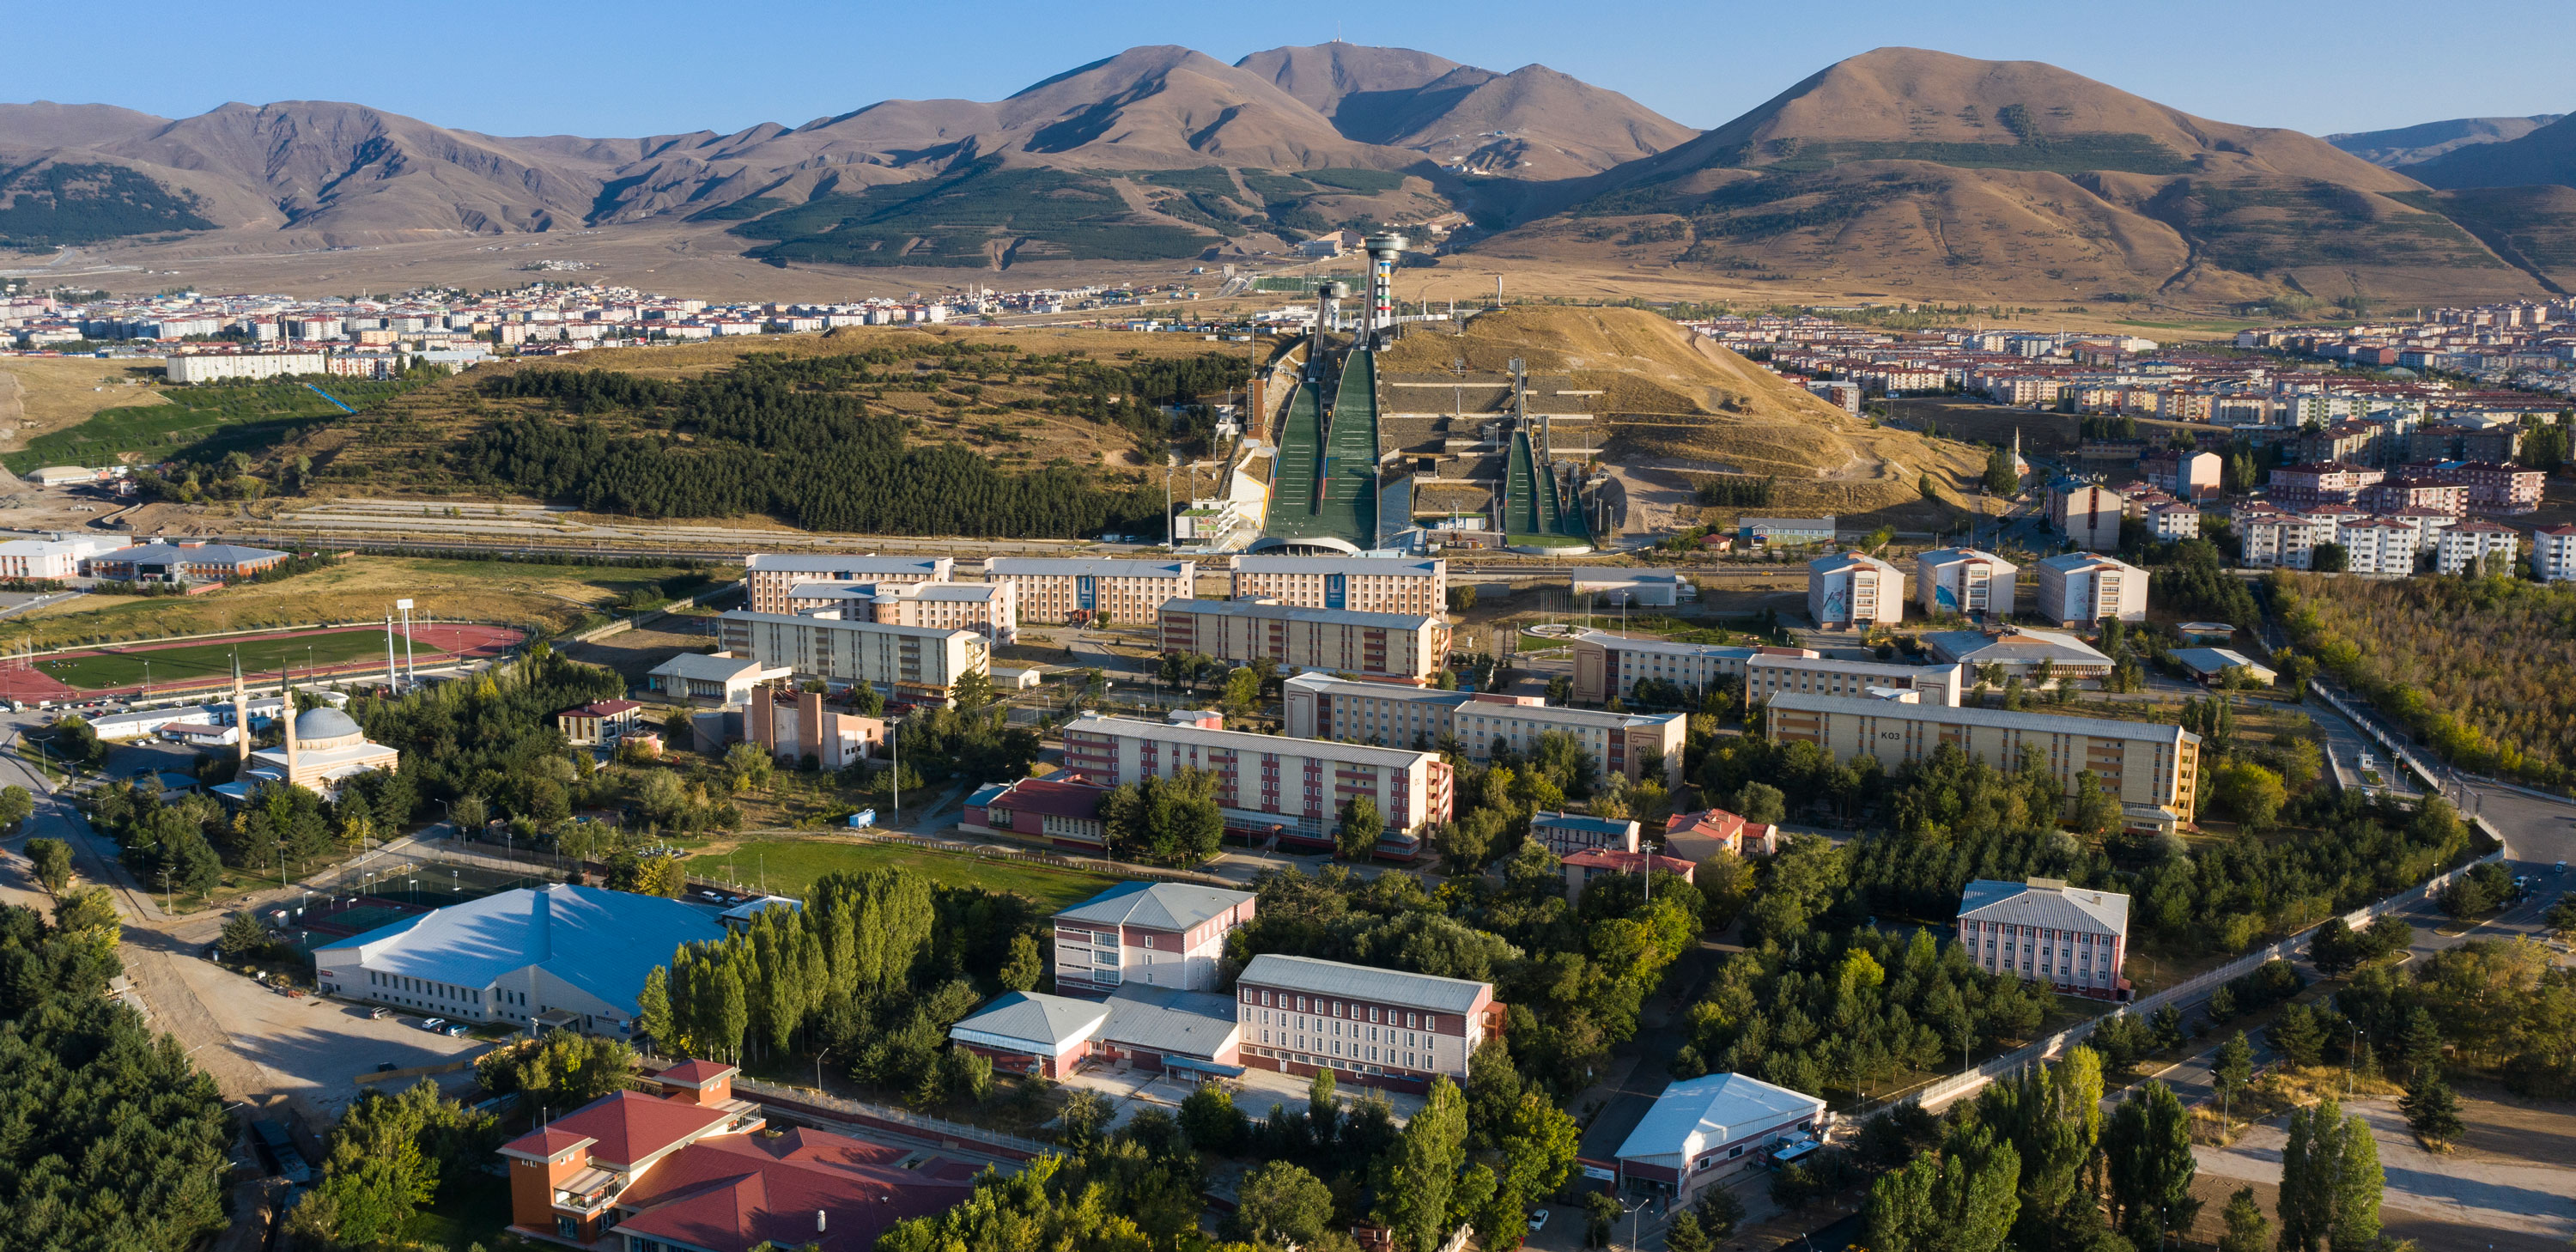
(1582, 867)
(684, 1169)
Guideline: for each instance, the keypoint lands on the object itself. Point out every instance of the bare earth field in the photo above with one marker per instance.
(40, 394)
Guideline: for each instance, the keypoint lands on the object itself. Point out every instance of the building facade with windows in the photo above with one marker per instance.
(2553, 553)
(1362, 584)
(1564, 834)
(1606, 665)
(2152, 770)
(988, 609)
(2477, 545)
(2072, 938)
(911, 663)
(1854, 590)
(1318, 706)
(1147, 934)
(1402, 647)
(1377, 1027)
(2081, 588)
(189, 561)
(1271, 786)
(769, 577)
(1076, 590)
(1965, 582)
(1766, 676)
(47, 558)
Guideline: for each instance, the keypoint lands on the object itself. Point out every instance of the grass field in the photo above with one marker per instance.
(790, 866)
(257, 656)
(358, 590)
(200, 420)
(39, 395)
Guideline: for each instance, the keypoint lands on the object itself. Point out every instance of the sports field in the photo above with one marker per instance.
(790, 866)
(128, 667)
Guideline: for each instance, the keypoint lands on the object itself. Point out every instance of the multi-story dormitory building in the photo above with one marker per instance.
(1271, 786)
(1363, 584)
(1318, 706)
(1392, 646)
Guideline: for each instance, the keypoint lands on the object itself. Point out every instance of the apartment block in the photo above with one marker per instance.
(2073, 938)
(769, 576)
(1966, 582)
(2393, 494)
(2324, 482)
(1376, 1027)
(2087, 514)
(2174, 522)
(2152, 770)
(1319, 706)
(1766, 676)
(988, 609)
(1606, 664)
(1401, 647)
(1855, 590)
(2378, 545)
(2275, 539)
(1363, 584)
(1075, 590)
(2496, 489)
(211, 367)
(2080, 588)
(1271, 786)
(2484, 545)
(911, 663)
(1564, 834)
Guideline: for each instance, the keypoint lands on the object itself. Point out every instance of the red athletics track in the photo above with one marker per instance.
(447, 640)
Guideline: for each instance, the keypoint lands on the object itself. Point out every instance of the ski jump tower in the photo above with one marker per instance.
(1383, 251)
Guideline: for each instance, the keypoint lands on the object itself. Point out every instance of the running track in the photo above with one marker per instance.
(442, 641)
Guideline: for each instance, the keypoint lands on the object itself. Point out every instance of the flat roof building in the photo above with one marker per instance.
(914, 663)
(1053, 1036)
(1766, 675)
(2152, 770)
(512, 956)
(1645, 588)
(1318, 706)
(1366, 584)
(1378, 1027)
(2019, 651)
(2073, 938)
(988, 609)
(721, 677)
(1854, 590)
(1965, 582)
(1065, 814)
(767, 576)
(2207, 665)
(1272, 786)
(1565, 834)
(1061, 590)
(1607, 664)
(186, 561)
(2081, 588)
(1407, 648)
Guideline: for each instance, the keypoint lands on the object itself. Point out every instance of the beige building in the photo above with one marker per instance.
(988, 609)
(1965, 582)
(1606, 664)
(1361, 584)
(2152, 770)
(769, 576)
(1060, 590)
(2081, 588)
(793, 725)
(916, 663)
(1766, 676)
(2088, 515)
(1271, 786)
(1379, 1027)
(1852, 589)
(1383, 645)
(1318, 706)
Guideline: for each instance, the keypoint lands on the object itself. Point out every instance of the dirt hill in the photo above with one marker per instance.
(2407, 145)
(1676, 405)
(2544, 155)
(1908, 172)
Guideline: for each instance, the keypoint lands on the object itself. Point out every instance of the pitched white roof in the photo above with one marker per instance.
(1713, 1110)
(1364, 982)
(2046, 902)
(1157, 906)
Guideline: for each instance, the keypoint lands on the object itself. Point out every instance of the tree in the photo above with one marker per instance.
(242, 936)
(1282, 1205)
(2422, 1045)
(1538, 1147)
(1414, 1180)
(17, 804)
(1361, 830)
(748, 766)
(2329, 558)
(653, 1006)
(2247, 1229)
(52, 860)
(2297, 1035)
(972, 691)
(2001, 478)
(1761, 803)
(1965, 1200)
(1026, 965)
(1323, 1109)
(2234, 1068)
(2254, 794)
(2432, 1112)
(2358, 1184)
(2330, 1181)
(1210, 1119)
(2096, 812)
(2148, 1149)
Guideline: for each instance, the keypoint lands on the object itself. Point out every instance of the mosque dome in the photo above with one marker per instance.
(314, 726)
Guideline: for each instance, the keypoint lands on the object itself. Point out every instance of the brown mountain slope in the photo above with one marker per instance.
(2407, 145)
(45, 124)
(1919, 173)
(2545, 155)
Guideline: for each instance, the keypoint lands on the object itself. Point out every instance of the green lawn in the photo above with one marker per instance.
(258, 656)
(471, 1211)
(792, 865)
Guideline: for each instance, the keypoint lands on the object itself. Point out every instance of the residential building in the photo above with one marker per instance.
(2553, 553)
(1705, 1130)
(1363, 584)
(2087, 514)
(47, 558)
(2481, 545)
(988, 609)
(1766, 675)
(599, 722)
(794, 726)
(2498, 490)
(1966, 582)
(1606, 665)
(1318, 706)
(688, 1167)
(2304, 487)
(1079, 590)
(518, 955)
(1565, 834)
(2174, 522)
(2274, 539)
(2209, 665)
(911, 663)
(2392, 494)
(1147, 934)
(1272, 786)
(210, 367)
(1854, 590)
(2073, 938)
(1582, 866)
(2185, 475)
(1612, 587)
(2020, 651)
(1053, 1036)
(2379, 545)
(1695, 837)
(2153, 770)
(1784, 532)
(1376, 1027)
(2081, 588)
(186, 561)
(768, 576)
(720, 676)
(1403, 647)
(1064, 813)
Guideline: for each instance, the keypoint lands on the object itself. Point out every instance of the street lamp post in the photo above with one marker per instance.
(2351, 1056)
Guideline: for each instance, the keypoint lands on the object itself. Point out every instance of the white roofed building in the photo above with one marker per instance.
(1706, 1129)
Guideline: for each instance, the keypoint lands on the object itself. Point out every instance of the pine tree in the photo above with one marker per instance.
(2423, 1046)
(2150, 1165)
(2247, 1231)
(2233, 1070)
(2432, 1111)
(2357, 1186)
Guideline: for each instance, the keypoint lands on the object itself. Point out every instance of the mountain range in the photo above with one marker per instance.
(1896, 172)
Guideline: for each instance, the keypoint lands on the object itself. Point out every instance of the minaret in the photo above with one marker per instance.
(241, 724)
(286, 714)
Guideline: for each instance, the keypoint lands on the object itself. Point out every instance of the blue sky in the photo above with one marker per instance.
(646, 67)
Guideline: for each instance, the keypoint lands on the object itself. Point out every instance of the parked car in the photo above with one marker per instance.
(1538, 1220)
(386, 1067)
(380, 1012)
(453, 1029)
(433, 1024)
